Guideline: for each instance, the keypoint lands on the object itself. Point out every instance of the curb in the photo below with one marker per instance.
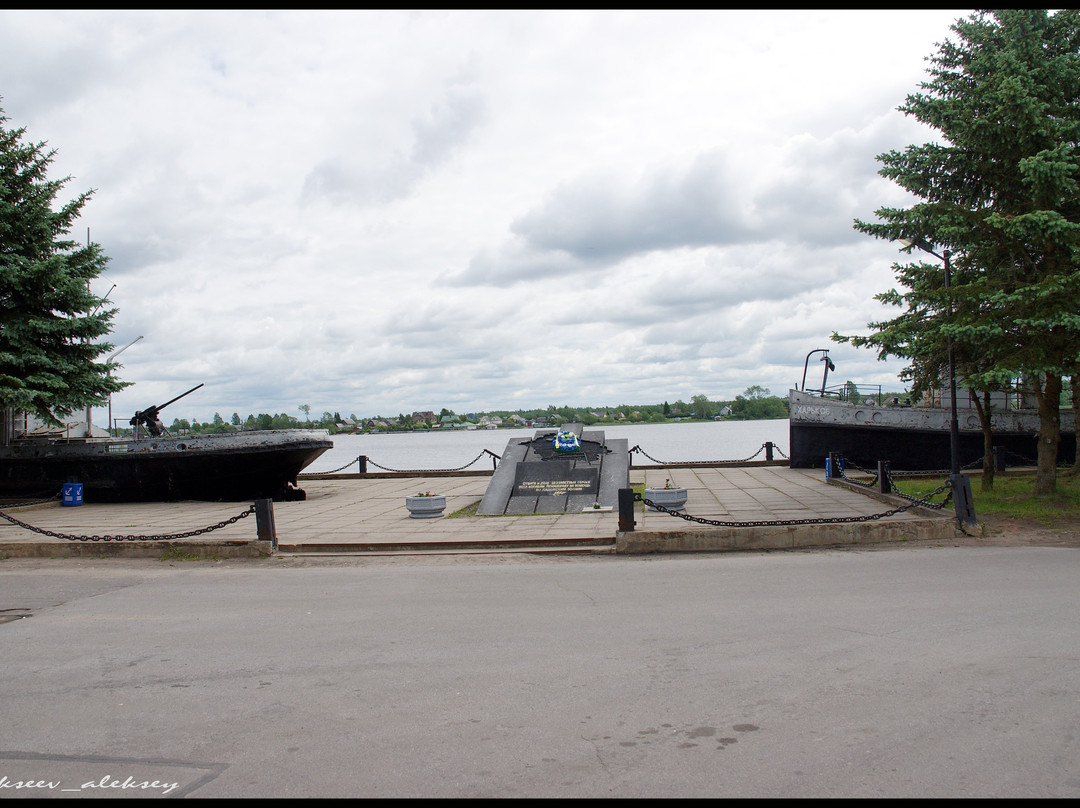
(784, 537)
(133, 549)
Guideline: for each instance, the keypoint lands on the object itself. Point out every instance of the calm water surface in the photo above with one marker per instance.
(664, 443)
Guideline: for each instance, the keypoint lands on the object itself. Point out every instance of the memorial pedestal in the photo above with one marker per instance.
(536, 476)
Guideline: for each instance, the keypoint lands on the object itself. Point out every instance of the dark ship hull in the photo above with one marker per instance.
(228, 468)
(910, 438)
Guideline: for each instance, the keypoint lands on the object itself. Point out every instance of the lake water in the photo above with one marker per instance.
(684, 441)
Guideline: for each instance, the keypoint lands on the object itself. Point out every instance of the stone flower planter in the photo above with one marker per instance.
(674, 499)
(425, 507)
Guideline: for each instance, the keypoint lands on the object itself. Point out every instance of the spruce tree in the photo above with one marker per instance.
(50, 320)
(1000, 193)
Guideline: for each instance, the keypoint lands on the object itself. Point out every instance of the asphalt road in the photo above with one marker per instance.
(921, 672)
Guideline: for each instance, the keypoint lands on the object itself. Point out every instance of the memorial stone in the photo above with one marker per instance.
(541, 476)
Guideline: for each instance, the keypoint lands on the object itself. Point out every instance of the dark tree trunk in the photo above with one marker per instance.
(1049, 396)
(983, 408)
(1074, 380)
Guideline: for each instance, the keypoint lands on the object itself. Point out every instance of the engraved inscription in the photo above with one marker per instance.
(554, 487)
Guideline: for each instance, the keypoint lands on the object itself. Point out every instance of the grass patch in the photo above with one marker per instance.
(468, 510)
(176, 554)
(1013, 496)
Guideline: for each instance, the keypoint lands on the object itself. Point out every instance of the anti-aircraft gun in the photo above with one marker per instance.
(149, 416)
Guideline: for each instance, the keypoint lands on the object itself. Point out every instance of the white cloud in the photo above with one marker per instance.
(378, 212)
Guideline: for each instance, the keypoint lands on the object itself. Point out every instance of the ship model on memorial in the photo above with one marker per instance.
(863, 426)
(37, 460)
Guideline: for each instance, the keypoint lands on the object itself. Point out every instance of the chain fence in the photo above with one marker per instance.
(434, 471)
(873, 483)
(925, 501)
(108, 538)
(714, 462)
(976, 463)
(1013, 459)
(335, 471)
(362, 460)
(823, 520)
(1021, 460)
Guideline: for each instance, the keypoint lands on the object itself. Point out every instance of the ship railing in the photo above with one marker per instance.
(859, 394)
(1015, 397)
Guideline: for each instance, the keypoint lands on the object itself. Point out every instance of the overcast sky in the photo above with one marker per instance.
(381, 212)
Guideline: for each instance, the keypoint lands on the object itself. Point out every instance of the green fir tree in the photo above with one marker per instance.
(50, 320)
(1000, 208)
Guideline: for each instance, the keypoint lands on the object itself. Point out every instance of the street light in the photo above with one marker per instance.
(961, 488)
(954, 426)
(89, 407)
(109, 361)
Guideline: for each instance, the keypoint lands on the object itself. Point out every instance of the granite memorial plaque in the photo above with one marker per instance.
(554, 478)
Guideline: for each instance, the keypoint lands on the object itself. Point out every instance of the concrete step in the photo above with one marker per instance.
(589, 545)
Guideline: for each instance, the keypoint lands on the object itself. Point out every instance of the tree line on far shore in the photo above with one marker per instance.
(755, 404)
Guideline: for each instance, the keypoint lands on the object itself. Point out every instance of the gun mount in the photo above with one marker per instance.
(149, 416)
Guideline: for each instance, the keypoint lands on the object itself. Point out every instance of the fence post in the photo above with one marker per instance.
(362, 460)
(768, 450)
(963, 502)
(264, 521)
(883, 482)
(626, 509)
(834, 465)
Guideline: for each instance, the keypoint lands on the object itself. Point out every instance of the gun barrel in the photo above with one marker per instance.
(171, 400)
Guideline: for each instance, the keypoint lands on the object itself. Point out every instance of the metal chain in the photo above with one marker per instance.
(404, 471)
(1027, 461)
(433, 471)
(335, 471)
(53, 498)
(863, 483)
(976, 463)
(849, 462)
(772, 522)
(717, 462)
(924, 500)
(163, 537)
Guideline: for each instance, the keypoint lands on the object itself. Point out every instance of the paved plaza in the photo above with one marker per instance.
(351, 513)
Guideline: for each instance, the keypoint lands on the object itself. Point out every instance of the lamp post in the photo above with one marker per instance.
(109, 361)
(960, 486)
(954, 426)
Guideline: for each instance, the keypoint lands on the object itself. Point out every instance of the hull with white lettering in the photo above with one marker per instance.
(910, 438)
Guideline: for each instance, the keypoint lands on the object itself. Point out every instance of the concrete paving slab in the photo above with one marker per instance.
(367, 512)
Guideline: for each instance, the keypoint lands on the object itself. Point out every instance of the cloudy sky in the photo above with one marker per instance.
(381, 212)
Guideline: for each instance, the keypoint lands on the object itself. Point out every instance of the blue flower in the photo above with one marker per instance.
(565, 442)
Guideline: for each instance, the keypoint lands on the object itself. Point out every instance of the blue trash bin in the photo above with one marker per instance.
(71, 494)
